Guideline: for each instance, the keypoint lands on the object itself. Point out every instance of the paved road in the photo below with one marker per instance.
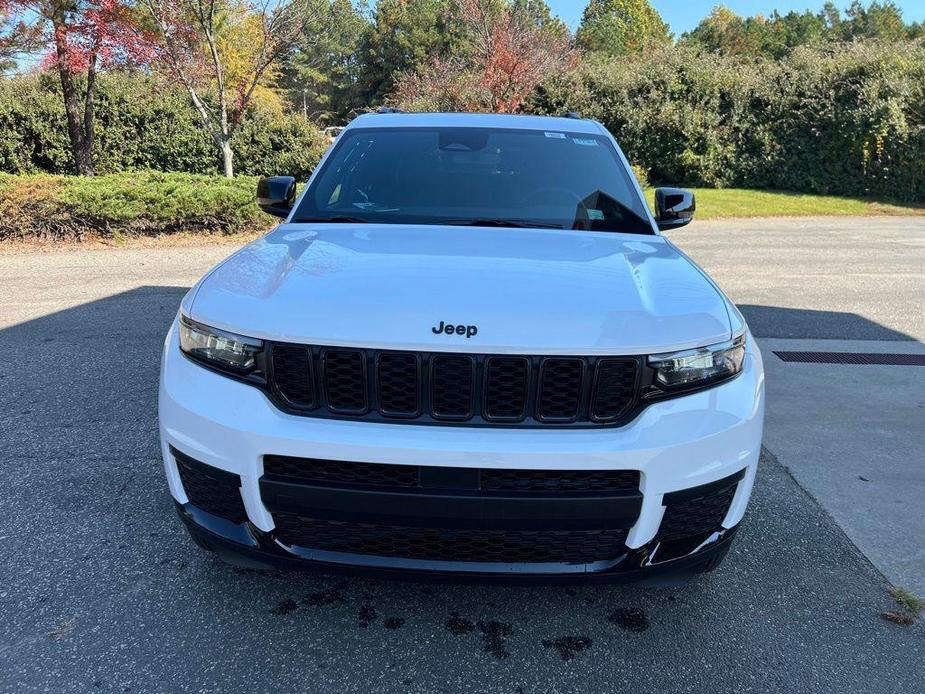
(852, 436)
(830, 278)
(101, 591)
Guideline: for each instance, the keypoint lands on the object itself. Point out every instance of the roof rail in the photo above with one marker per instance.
(388, 109)
(572, 114)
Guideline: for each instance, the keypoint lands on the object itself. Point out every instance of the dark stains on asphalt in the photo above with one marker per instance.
(569, 646)
(367, 615)
(394, 623)
(630, 619)
(493, 635)
(457, 625)
(285, 607)
(327, 596)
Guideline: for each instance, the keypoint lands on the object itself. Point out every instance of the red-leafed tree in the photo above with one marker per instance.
(510, 46)
(81, 37)
(224, 52)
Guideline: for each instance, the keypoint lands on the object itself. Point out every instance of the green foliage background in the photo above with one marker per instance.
(144, 123)
(142, 203)
(773, 105)
(847, 119)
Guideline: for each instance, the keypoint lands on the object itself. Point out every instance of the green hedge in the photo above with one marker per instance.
(847, 120)
(143, 123)
(123, 205)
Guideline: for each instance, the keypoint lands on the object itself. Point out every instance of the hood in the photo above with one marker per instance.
(524, 291)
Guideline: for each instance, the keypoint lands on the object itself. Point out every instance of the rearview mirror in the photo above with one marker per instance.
(674, 207)
(276, 195)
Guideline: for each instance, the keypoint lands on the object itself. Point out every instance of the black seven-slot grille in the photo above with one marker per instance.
(453, 388)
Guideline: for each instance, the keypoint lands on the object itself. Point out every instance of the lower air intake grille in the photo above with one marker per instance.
(337, 472)
(214, 491)
(696, 516)
(506, 546)
(536, 482)
(559, 481)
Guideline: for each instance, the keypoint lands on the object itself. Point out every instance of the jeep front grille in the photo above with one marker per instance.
(442, 388)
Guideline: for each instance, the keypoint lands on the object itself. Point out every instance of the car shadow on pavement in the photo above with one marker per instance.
(781, 322)
(100, 588)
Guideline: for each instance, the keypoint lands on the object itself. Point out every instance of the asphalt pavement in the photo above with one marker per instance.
(852, 435)
(100, 589)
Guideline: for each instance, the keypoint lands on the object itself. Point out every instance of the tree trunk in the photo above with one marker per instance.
(89, 125)
(227, 154)
(81, 143)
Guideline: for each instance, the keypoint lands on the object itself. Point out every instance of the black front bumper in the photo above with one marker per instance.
(655, 564)
(464, 523)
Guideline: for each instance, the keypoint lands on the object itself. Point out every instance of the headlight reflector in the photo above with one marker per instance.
(219, 348)
(695, 366)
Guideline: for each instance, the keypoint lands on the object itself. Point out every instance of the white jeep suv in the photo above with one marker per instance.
(467, 351)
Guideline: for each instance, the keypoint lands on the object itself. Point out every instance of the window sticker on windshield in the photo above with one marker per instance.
(585, 142)
(595, 214)
(558, 136)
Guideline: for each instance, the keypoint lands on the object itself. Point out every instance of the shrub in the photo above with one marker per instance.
(145, 123)
(138, 204)
(844, 120)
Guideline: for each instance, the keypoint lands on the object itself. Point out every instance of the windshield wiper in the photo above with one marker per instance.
(338, 219)
(492, 222)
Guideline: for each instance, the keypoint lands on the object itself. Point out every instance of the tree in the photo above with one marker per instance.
(796, 29)
(618, 27)
(405, 34)
(725, 32)
(510, 46)
(83, 37)
(880, 20)
(223, 52)
(17, 36)
(320, 74)
(722, 31)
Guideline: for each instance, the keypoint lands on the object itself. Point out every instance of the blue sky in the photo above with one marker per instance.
(683, 15)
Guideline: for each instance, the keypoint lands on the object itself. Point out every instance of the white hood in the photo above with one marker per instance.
(527, 291)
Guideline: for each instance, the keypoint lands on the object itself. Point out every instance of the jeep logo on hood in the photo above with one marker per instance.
(450, 329)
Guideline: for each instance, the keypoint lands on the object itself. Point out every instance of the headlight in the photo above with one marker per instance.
(219, 348)
(701, 365)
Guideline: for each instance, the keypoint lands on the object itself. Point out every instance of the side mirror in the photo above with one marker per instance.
(276, 195)
(674, 207)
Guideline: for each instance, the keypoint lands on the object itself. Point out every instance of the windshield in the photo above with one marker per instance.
(477, 176)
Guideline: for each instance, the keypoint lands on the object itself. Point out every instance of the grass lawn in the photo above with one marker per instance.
(716, 203)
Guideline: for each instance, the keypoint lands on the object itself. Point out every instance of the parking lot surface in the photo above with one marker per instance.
(852, 435)
(100, 589)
